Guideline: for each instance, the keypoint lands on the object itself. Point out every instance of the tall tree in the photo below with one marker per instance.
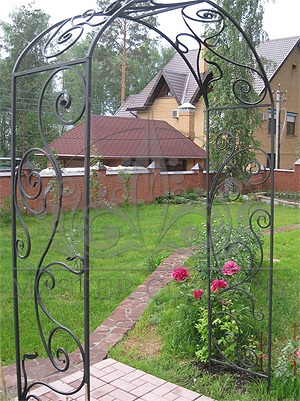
(26, 23)
(132, 57)
(236, 79)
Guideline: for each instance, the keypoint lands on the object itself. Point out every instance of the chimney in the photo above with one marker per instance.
(186, 121)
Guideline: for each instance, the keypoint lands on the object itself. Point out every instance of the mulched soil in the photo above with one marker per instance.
(241, 379)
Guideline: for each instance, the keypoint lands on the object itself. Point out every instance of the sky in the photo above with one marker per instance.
(282, 18)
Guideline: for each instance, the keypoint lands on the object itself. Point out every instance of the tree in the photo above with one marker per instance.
(122, 54)
(25, 25)
(235, 80)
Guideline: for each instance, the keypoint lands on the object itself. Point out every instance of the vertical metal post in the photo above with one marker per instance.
(271, 254)
(278, 100)
(87, 230)
(13, 239)
(208, 240)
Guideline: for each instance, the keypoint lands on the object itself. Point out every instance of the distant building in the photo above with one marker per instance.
(175, 97)
(129, 142)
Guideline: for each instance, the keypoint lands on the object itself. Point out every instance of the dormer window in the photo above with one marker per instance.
(165, 91)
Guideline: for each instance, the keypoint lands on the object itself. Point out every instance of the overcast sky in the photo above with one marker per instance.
(282, 18)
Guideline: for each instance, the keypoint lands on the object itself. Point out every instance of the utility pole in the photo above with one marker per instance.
(279, 99)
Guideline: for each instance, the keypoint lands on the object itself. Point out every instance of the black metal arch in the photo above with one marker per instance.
(53, 43)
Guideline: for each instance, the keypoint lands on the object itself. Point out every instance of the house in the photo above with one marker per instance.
(284, 76)
(174, 96)
(129, 142)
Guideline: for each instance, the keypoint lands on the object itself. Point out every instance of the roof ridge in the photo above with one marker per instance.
(276, 39)
(185, 87)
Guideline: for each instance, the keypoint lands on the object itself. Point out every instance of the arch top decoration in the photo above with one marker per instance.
(204, 26)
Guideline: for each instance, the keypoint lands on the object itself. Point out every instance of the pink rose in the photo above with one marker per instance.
(298, 353)
(198, 294)
(217, 284)
(180, 273)
(230, 268)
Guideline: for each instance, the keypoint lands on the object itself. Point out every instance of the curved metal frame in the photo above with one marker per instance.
(64, 35)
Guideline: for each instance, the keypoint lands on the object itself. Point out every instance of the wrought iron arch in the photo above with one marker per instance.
(51, 45)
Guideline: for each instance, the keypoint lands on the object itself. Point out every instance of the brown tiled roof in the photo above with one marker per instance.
(179, 78)
(274, 53)
(116, 137)
(183, 85)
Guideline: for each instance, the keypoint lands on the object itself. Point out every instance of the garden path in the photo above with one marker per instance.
(112, 380)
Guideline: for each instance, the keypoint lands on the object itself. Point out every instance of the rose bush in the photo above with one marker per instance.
(180, 273)
(228, 309)
(288, 363)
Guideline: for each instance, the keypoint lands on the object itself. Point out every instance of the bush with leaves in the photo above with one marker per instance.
(288, 363)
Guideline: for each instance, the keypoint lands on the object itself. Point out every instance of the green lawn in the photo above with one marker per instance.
(172, 356)
(126, 245)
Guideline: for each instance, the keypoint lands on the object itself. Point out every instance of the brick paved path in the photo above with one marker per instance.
(114, 381)
(111, 380)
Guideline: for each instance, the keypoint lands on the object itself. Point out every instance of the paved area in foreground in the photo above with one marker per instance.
(114, 381)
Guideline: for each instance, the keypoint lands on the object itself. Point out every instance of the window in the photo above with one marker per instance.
(287, 120)
(290, 124)
(165, 91)
(290, 128)
(269, 126)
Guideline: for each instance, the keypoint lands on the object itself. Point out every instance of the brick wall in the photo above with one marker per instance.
(284, 180)
(143, 186)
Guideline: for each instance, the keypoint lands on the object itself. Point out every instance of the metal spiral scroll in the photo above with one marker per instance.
(61, 360)
(34, 197)
(215, 16)
(246, 357)
(68, 110)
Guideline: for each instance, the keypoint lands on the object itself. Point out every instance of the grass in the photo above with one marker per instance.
(173, 359)
(126, 245)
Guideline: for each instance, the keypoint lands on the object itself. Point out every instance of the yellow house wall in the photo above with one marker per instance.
(162, 110)
(289, 80)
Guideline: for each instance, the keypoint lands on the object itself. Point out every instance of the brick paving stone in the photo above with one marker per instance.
(97, 372)
(170, 397)
(143, 389)
(123, 385)
(108, 370)
(154, 380)
(121, 395)
(102, 391)
(96, 383)
(40, 390)
(112, 376)
(138, 382)
(136, 374)
(107, 397)
(183, 392)
(61, 386)
(164, 389)
(151, 397)
(73, 377)
(123, 368)
(75, 384)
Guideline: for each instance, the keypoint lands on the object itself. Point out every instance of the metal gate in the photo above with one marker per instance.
(229, 182)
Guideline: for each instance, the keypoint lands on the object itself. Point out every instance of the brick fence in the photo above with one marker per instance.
(284, 180)
(144, 185)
